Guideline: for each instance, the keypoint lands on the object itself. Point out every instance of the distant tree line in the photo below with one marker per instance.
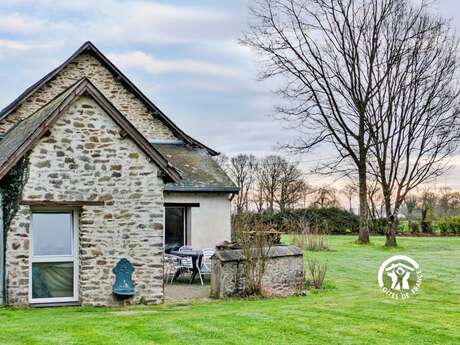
(277, 189)
(273, 183)
(267, 183)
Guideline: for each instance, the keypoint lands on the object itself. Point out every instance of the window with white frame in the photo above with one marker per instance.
(53, 268)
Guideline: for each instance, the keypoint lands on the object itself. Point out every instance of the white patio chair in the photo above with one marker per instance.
(174, 263)
(206, 263)
(170, 266)
(183, 264)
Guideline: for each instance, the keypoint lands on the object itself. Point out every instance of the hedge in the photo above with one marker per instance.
(333, 220)
(449, 225)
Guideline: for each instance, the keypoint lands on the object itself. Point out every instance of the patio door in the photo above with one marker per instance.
(53, 257)
(175, 227)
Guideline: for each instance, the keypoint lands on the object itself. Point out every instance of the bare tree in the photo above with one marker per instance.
(448, 202)
(324, 52)
(375, 201)
(444, 201)
(427, 203)
(257, 195)
(325, 196)
(410, 203)
(349, 191)
(222, 161)
(413, 117)
(269, 177)
(292, 187)
(242, 169)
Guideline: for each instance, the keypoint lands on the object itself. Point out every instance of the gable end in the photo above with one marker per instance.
(19, 140)
(89, 48)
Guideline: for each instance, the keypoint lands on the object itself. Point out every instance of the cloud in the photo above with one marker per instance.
(150, 22)
(153, 65)
(147, 22)
(15, 45)
(19, 24)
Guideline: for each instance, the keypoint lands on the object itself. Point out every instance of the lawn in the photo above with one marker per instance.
(352, 310)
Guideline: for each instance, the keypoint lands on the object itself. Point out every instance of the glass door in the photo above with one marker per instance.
(53, 263)
(175, 228)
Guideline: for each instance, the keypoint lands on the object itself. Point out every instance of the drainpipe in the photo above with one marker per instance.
(2, 255)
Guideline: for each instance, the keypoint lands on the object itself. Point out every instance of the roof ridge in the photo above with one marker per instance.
(88, 45)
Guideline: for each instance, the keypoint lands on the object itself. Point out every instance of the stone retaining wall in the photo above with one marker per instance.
(284, 274)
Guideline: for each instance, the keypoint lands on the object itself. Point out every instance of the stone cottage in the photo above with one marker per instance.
(91, 171)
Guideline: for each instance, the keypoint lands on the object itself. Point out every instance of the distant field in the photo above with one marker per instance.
(352, 310)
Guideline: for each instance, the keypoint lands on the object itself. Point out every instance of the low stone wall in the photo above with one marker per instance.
(284, 274)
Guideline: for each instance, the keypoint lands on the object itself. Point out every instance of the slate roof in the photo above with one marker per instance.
(18, 140)
(17, 136)
(199, 171)
(90, 48)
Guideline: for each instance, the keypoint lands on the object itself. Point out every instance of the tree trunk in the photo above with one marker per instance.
(363, 207)
(392, 218)
(391, 233)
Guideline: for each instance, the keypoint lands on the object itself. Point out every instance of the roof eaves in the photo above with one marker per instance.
(190, 189)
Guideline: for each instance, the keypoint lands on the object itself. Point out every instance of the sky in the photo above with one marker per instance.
(184, 55)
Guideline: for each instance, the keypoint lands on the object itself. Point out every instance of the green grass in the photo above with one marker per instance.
(352, 310)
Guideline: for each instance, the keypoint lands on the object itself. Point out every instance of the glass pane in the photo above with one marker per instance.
(174, 228)
(52, 279)
(52, 233)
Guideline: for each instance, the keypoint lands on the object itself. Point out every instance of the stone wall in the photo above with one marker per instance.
(88, 66)
(284, 274)
(85, 159)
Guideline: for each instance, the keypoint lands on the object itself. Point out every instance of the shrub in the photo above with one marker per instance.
(317, 273)
(250, 220)
(310, 237)
(414, 227)
(255, 238)
(449, 225)
(333, 220)
(427, 226)
(378, 225)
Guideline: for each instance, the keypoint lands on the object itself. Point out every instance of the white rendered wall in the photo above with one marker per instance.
(210, 223)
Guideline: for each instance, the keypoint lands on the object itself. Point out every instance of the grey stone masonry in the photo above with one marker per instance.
(124, 100)
(84, 158)
(284, 273)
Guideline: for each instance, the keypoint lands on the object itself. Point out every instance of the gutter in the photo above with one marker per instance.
(190, 189)
(2, 255)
